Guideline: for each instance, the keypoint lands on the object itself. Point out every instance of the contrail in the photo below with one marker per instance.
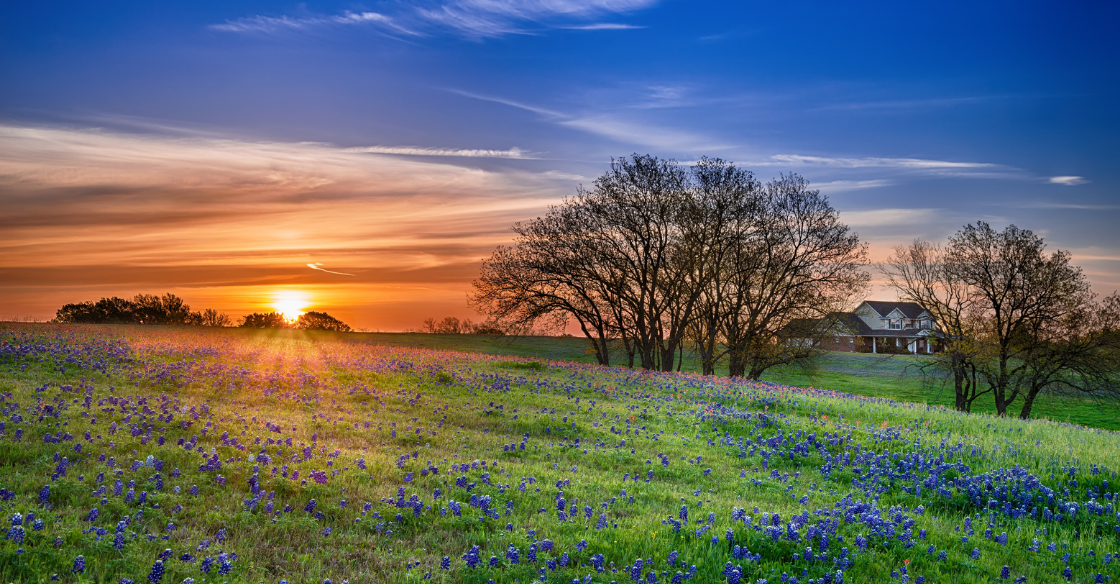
(315, 266)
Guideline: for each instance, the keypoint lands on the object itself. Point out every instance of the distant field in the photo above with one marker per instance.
(191, 455)
(890, 376)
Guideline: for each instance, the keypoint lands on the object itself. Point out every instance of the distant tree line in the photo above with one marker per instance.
(1015, 321)
(453, 326)
(169, 309)
(309, 321)
(656, 257)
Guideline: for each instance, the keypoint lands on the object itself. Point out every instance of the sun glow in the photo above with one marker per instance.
(290, 303)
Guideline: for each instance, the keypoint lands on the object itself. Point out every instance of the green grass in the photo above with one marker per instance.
(441, 408)
(887, 376)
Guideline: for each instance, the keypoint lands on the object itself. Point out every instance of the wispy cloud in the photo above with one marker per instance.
(495, 18)
(604, 26)
(271, 24)
(875, 162)
(471, 18)
(838, 186)
(511, 103)
(901, 104)
(467, 153)
(640, 133)
(888, 217)
(317, 266)
(1075, 206)
(617, 127)
(1068, 181)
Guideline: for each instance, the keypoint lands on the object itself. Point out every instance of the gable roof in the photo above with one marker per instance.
(908, 309)
(847, 322)
(850, 324)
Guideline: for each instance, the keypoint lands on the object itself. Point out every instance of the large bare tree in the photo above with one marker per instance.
(799, 263)
(919, 272)
(1019, 293)
(1014, 321)
(654, 252)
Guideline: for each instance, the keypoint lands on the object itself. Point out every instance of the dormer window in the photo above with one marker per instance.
(896, 324)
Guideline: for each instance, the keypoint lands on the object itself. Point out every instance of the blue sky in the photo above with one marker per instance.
(914, 119)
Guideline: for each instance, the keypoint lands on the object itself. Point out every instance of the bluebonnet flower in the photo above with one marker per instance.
(16, 534)
(156, 575)
(79, 565)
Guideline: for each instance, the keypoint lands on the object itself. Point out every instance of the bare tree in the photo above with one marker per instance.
(1010, 316)
(732, 199)
(211, 317)
(798, 262)
(920, 273)
(1075, 355)
(548, 276)
(1020, 294)
(654, 253)
(644, 234)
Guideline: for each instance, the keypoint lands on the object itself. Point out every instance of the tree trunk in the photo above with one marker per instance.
(626, 346)
(602, 355)
(735, 365)
(756, 371)
(1028, 403)
(959, 388)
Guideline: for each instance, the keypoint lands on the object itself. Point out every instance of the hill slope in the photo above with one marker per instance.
(168, 454)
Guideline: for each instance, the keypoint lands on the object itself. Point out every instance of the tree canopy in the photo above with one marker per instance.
(148, 309)
(1015, 320)
(656, 255)
(320, 321)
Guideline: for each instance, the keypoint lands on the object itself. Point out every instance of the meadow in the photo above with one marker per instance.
(900, 377)
(171, 455)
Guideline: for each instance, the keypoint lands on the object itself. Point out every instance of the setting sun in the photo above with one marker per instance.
(290, 303)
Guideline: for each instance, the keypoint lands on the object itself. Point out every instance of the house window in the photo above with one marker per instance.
(896, 324)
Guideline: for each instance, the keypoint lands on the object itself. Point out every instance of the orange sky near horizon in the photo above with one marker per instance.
(228, 224)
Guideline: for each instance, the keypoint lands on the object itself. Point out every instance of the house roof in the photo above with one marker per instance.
(852, 325)
(908, 309)
(859, 328)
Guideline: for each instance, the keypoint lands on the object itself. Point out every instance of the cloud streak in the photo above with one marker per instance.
(466, 153)
(273, 24)
(876, 162)
(316, 266)
(1068, 181)
(494, 18)
(471, 18)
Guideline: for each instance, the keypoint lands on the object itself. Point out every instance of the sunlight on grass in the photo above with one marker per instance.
(161, 454)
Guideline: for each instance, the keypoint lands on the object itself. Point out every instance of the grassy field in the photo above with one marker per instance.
(191, 455)
(897, 377)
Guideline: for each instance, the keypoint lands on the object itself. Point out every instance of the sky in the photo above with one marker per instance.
(362, 158)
